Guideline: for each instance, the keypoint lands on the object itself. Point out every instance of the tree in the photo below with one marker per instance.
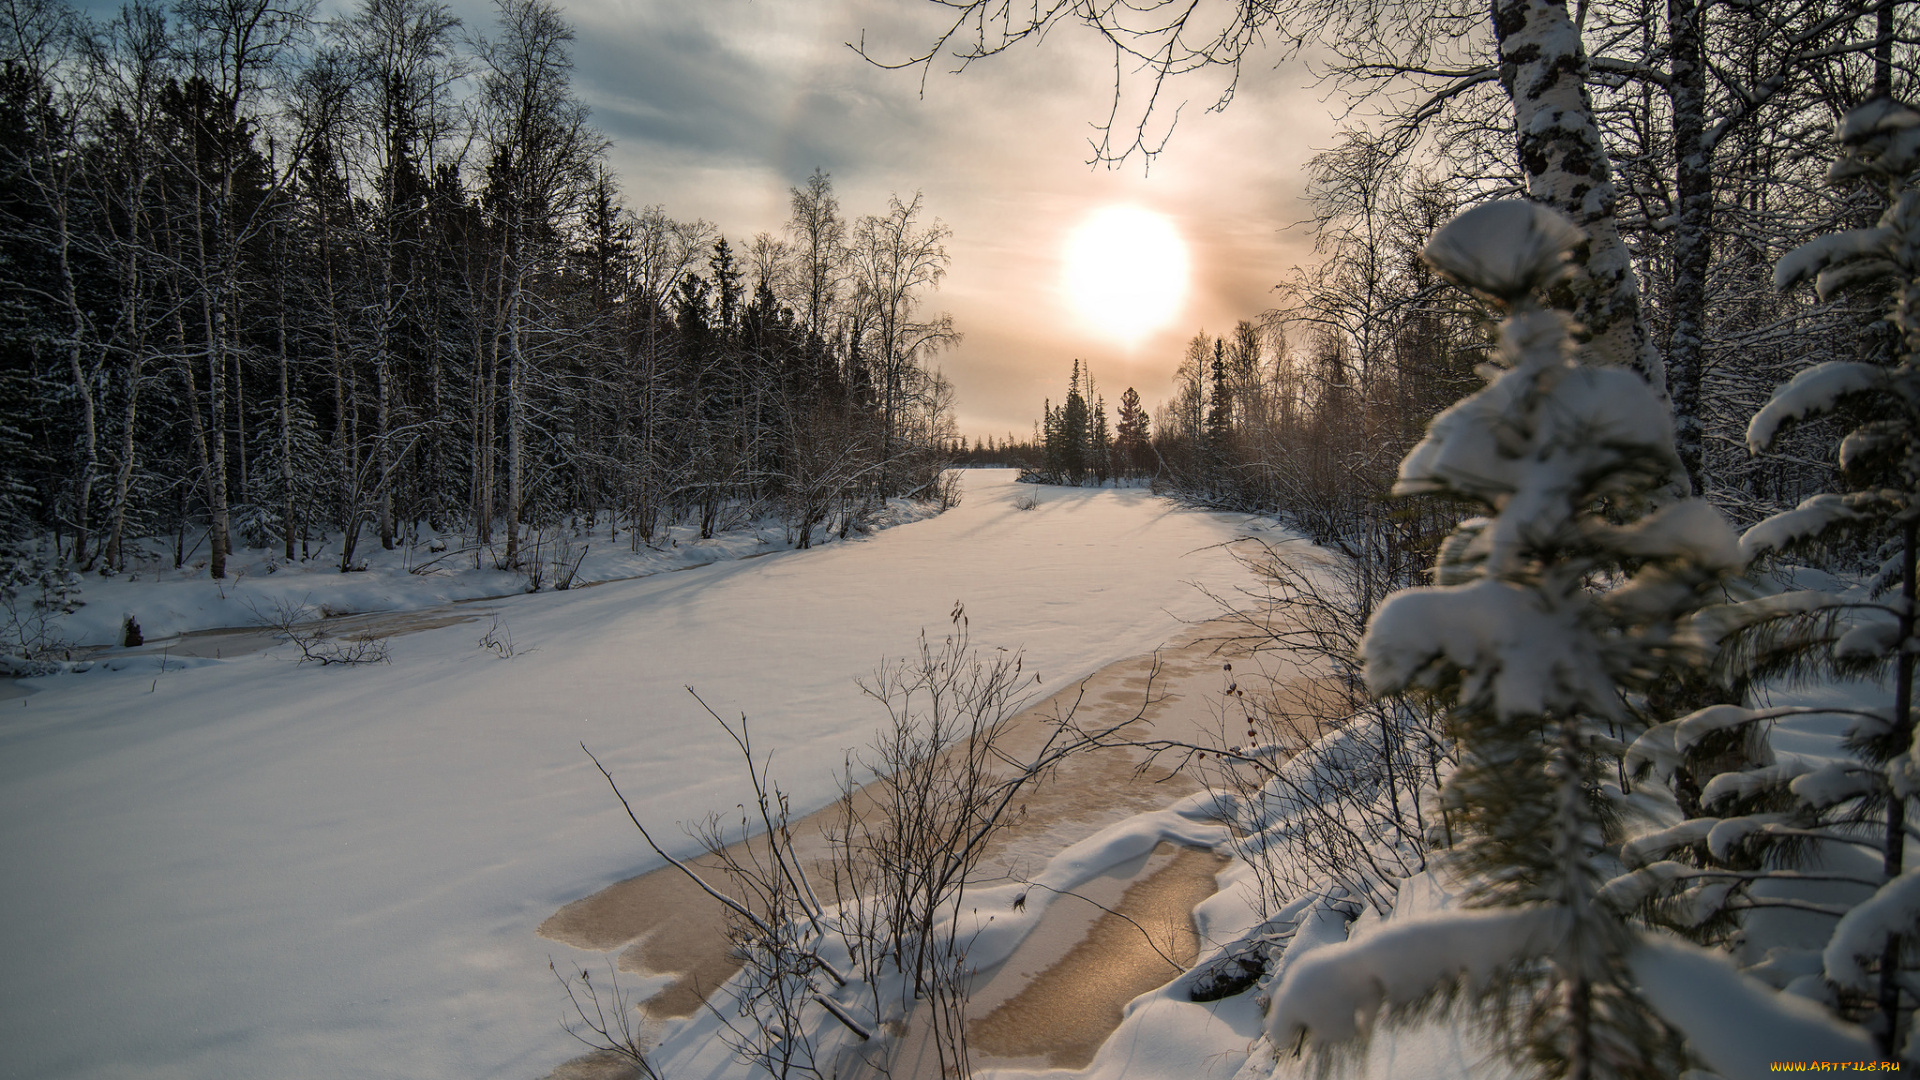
(253, 278)
(1100, 443)
(1857, 634)
(1067, 439)
(405, 65)
(819, 237)
(233, 48)
(1219, 406)
(539, 151)
(1537, 668)
(128, 61)
(897, 261)
(1130, 434)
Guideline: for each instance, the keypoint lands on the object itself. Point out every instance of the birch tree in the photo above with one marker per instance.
(234, 48)
(539, 154)
(37, 37)
(404, 58)
(898, 260)
(127, 61)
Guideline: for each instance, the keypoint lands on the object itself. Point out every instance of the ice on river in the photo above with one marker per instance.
(254, 868)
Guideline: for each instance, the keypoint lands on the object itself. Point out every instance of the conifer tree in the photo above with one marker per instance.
(1219, 406)
(1545, 616)
(1130, 435)
(1100, 443)
(1864, 631)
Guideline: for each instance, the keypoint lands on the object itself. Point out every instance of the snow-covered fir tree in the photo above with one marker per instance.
(1545, 618)
(1863, 800)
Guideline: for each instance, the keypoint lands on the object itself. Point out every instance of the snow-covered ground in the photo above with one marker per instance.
(434, 570)
(250, 867)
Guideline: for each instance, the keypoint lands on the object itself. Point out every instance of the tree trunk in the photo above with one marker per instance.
(383, 385)
(134, 315)
(240, 426)
(82, 384)
(346, 410)
(1893, 849)
(123, 476)
(1693, 237)
(286, 429)
(383, 462)
(217, 520)
(1544, 69)
(516, 415)
(1883, 50)
(197, 425)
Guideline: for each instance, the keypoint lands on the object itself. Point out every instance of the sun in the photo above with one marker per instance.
(1126, 272)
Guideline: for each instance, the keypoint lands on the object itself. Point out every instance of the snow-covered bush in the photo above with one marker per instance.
(1547, 615)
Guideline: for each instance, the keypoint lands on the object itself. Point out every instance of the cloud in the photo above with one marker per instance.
(716, 107)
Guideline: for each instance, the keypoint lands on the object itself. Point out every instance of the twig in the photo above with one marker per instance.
(1171, 962)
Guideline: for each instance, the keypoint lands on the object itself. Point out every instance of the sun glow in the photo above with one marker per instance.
(1126, 271)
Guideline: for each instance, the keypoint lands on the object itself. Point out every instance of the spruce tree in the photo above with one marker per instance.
(1219, 412)
(1870, 630)
(1130, 436)
(1545, 617)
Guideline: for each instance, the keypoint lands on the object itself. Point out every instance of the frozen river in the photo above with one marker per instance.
(252, 868)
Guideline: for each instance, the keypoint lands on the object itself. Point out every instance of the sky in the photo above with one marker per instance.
(716, 108)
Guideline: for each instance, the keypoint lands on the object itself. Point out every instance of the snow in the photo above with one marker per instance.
(168, 601)
(1876, 116)
(1645, 848)
(1863, 932)
(254, 867)
(1733, 831)
(1815, 256)
(1505, 248)
(1735, 1024)
(1336, 991)
(1496, 636)
(1747, 783)
(1628, 891)
(1693, 530)
(1587, 423)
(1811, 518)
(1180, 1029)
(1814, 390)
(1701, 723)
(1835, 782)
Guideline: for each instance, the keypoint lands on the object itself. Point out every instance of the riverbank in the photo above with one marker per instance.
(1125, 930)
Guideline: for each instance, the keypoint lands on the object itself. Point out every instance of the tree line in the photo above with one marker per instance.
(305, 281)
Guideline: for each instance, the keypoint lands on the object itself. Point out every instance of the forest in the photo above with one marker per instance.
(290, 279)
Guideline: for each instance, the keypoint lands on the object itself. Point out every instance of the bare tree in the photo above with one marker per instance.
(897, 261)
(400, 110)
(818, 236)
(236, 49)
(127, 61)
(539, 155)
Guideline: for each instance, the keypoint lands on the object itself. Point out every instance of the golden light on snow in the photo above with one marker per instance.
(1126, 271)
